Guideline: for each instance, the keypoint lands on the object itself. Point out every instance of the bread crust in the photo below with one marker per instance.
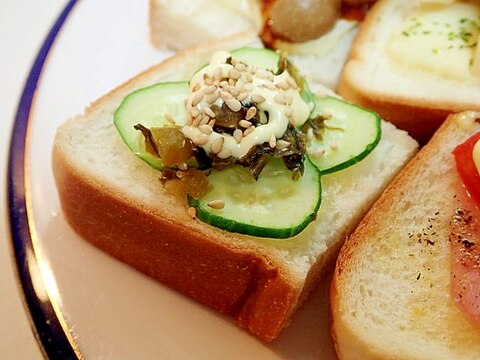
(243, 284)
(349, 343)
(419, 116)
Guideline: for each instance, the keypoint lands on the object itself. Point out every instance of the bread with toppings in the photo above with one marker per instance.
(116, 201)
(391, 294)
(412, 62)
(178, 25)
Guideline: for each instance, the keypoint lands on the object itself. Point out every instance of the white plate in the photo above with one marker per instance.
(107, 309)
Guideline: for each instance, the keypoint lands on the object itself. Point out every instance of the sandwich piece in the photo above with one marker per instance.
(414, 62)
(115, 200)
(402, 287)
(178, 25)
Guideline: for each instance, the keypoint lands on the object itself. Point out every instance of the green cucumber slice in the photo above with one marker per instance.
(349, 135)
(274, 206)
(148, 107)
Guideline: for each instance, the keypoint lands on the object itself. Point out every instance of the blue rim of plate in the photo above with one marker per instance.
(52, 335)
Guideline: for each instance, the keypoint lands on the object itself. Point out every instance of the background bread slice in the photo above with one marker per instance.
(115, 201)
(390, 296)
(415, 100)
(181, 24)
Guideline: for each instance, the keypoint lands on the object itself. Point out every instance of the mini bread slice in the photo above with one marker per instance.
(401, 68)
(115, 201)
(390, 295)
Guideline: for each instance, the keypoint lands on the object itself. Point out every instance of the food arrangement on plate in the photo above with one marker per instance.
(233, 172)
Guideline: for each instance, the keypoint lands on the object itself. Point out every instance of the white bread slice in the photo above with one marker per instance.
(413, 99)
(390, 295)
(115, 201)
(180, 24)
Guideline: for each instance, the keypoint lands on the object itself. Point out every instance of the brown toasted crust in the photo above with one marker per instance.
(242, 284)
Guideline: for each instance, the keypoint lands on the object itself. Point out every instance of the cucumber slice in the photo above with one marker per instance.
(349, 135)
(274, 206)
(259, 57)
(148, 107)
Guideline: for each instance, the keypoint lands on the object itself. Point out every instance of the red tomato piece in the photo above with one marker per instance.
(465, 234)
(466, 167)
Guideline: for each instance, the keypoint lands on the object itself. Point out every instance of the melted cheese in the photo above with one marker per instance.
(440, 37)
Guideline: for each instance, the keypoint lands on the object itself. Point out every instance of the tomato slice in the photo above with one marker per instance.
(466, 167)
(465, 234)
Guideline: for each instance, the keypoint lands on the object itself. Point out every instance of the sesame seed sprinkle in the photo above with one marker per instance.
(216, 204)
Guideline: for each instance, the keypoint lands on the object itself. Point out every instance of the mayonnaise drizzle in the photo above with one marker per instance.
(282, 101)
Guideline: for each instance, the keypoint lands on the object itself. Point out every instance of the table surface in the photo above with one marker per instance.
(23, 27)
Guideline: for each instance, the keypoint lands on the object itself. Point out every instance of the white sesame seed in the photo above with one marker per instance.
(192, 212)
(231, 81)
(195, 112)
(234, 74)
(196, 121)
(216, 204)
(279, 98)
(200, 139)
(207, 111)
(264, 74)
(217, 74)
(225, 153)
(310, 134)
(288, 111)
(238, 135)
(196, 87)
(197, 98)
(249, 78)
(272, 141)
(251, 112)
(206, 129)
(225, 96)
(224, 83)
(205, 120)
(209, 89)
(183, 166)
(232, 90)
(240, 67)
(283, 85)
(288, 99)
(269, 85)
(233, 104)
(291, 81)
(257, 98)
(170, 119)
(211, 122)
(245, 123)
(282, 144)
(239, 85)
(248, 131)
(217, 145)
(242, 96)
(189, 119)
(211, 98)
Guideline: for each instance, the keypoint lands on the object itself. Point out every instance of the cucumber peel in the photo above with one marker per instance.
(348, 134)
(148, 106)
(274, 206)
